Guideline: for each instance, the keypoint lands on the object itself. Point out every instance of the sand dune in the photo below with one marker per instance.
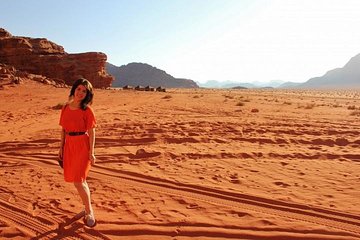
(186, 164)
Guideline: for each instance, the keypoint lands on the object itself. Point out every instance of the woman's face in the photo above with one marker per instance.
(80, 93)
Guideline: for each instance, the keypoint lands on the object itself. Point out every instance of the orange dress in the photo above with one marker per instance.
(76, 162)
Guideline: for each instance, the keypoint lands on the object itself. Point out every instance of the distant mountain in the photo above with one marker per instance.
(229, 84)
(143, 74)
(347, 77)
(270, 84)
(239, 85)
(289, 85)
(211, 84)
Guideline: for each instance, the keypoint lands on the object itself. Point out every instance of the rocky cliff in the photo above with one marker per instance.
(9, 76)
(134, 74)
(42, 57)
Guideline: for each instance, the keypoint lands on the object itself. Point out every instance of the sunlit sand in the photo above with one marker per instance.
(186, 164)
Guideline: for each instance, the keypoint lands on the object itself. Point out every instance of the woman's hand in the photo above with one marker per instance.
(60, 154)
(92, 158)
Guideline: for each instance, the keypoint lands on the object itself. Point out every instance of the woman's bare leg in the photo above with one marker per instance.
(84, 192)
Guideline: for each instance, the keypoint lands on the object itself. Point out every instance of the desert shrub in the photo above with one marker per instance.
(336, 105)
(229, 96)
(167, 97)
(351, 107)
(240, 104)
(287, 103)
(309, 106)
(355, 113)
(58, 106)
(254, 110)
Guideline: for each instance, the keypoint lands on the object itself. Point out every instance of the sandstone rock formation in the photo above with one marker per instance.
(43, 57)
(9, 75)
(134, 74)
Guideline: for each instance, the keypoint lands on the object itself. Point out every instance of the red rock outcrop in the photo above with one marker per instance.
(43, 57)
(9, 76)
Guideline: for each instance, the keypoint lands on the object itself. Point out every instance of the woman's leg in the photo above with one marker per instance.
(84, 192)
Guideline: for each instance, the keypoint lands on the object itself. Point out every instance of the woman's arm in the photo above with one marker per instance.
(92, 145)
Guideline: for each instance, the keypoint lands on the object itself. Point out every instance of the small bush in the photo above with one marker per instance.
(355, 113)
(167, 97)
(309, 106)
(229, 96)
(58, 106)
(240, 104)
(351, 107)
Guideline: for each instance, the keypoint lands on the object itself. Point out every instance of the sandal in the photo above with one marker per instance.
(89, 220)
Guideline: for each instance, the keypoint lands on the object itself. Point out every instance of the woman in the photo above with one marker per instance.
(77, 142)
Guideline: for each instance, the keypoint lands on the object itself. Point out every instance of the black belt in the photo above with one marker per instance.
(75, 133)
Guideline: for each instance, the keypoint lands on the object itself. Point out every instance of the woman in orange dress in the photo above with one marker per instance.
(77, 142)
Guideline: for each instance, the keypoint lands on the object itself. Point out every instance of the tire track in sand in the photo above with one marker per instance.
(40, 227)
(348, 224)
(26, 223)
(337, 220)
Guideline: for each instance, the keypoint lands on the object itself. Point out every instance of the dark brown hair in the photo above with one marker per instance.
(89, 92)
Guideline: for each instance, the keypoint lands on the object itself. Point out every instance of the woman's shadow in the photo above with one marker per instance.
(68, 228)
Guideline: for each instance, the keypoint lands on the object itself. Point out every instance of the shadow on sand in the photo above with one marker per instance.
(69, 228)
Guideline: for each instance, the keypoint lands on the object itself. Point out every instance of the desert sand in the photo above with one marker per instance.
(186, 164)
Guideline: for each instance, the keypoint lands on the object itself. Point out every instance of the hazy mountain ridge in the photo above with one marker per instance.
(289, 85)
(143, 74)
(347, 77)
(230, 84)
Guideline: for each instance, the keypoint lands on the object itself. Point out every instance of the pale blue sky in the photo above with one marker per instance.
(225, 40)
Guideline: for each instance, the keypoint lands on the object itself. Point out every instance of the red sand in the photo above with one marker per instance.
(187, 164)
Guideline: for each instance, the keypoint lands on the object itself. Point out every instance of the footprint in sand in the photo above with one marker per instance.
(217, 177)
(301, 173)
(154, 164)
(234, 178)
(188, 205)
(192, 206)
(284, 164)
(54, 203)
(281, 184)
(148, 214)
(141, 153)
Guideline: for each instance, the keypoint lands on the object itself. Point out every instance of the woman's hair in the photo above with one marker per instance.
(89, 92)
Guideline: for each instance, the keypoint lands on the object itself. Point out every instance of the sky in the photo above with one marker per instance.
(202, 40)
